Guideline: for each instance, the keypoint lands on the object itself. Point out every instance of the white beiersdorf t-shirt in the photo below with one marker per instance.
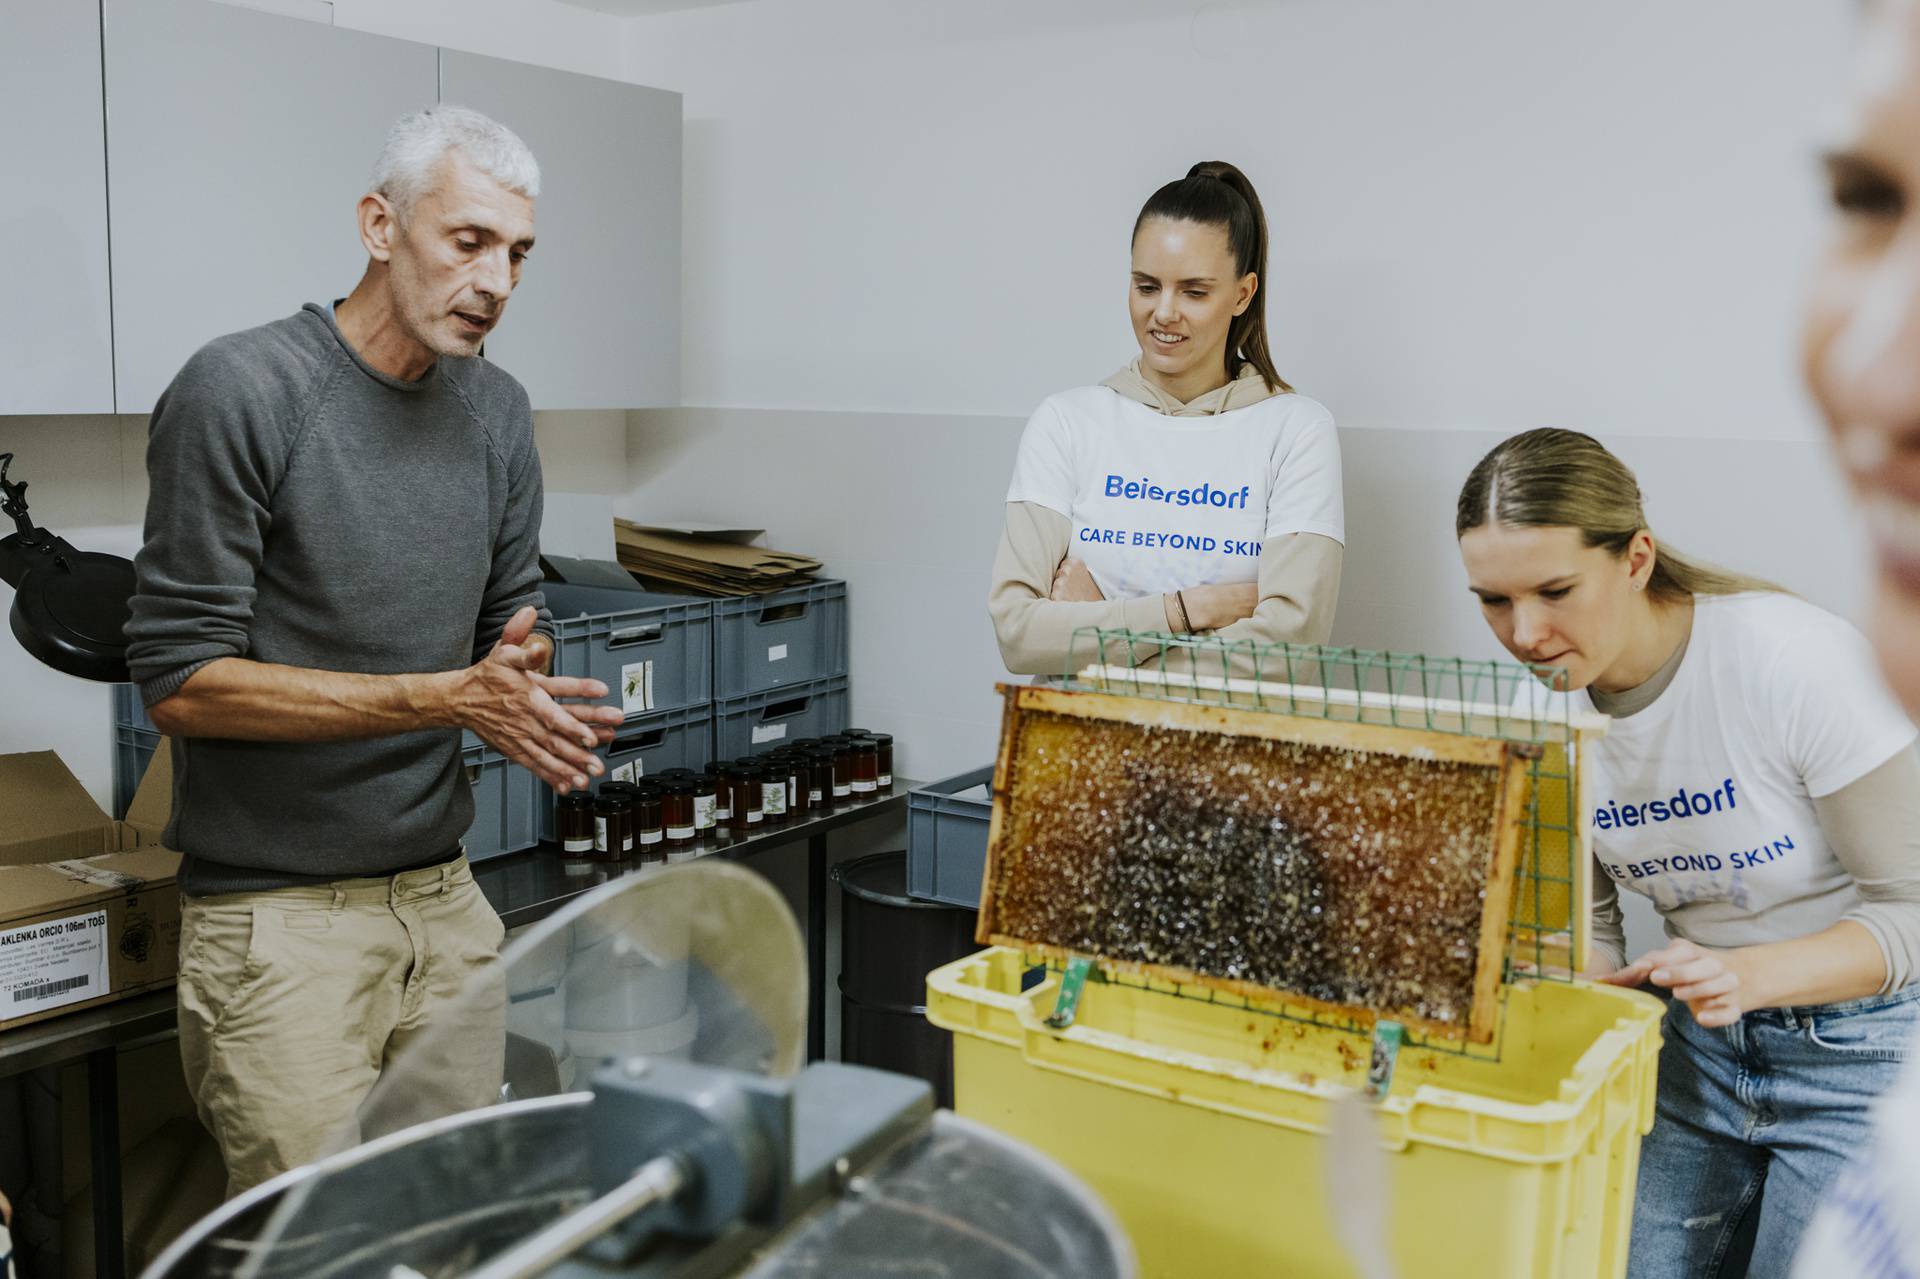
(1162, 503)
(1704, 800)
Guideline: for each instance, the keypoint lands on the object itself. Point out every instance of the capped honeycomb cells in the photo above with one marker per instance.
(1348, 877)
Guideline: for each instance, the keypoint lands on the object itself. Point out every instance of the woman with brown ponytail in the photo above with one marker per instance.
(1758, 783)
(1193, 491)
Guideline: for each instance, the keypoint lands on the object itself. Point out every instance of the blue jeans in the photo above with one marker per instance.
(1753, 1120)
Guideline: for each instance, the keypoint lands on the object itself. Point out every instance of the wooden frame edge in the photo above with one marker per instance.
(1379, 739)
(1246, 990)
(1497, 912)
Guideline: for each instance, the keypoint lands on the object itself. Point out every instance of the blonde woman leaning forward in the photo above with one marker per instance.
(1191, 492)
(1759, 784)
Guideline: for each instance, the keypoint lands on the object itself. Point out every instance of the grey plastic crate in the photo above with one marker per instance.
(129, 711)
(777, 641)
(749, 725)
(505, 796)
(132, 749)
(653, 743)
(635, 643)
(947, 839)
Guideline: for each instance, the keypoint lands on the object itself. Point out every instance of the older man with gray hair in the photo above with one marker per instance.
(340, 573)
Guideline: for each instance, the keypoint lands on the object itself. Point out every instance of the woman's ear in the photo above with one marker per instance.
(1642, 556)
(1249, 286)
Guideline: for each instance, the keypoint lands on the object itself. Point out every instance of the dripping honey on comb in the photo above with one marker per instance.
(1358, 868)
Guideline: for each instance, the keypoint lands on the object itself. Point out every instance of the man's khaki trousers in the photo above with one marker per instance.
(293, 1001)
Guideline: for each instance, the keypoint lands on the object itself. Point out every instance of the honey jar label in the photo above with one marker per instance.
(773, 798)
(600, 835)
(628, 772)
(864, 787)
(636, 687)
(705, 810)
(679, 832)
(578, 846)
(651, 837)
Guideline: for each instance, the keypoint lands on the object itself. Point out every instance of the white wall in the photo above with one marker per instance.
(1486, 214)
(544, 32)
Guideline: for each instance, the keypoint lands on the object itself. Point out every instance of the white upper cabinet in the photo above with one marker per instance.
(595, 320)
(238, 145)
(56, 335)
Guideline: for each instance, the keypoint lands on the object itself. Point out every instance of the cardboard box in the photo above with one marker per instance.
(89, 912)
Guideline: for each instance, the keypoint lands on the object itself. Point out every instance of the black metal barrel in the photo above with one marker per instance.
(889, 942)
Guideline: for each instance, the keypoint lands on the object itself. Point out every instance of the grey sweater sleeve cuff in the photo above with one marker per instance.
(1874, 828)
(167, 683)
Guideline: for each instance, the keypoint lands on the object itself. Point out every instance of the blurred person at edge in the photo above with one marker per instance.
(1862, 362)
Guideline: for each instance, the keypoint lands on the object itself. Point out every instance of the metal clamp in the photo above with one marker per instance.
(1072, 982)
(13, 503)
(1387, 1038)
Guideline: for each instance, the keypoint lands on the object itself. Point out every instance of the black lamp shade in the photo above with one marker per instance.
(71, 610)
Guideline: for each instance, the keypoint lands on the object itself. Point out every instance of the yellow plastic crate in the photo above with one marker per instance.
(1200, 1123)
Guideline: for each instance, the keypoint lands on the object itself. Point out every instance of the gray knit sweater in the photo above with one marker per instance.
(307, 510)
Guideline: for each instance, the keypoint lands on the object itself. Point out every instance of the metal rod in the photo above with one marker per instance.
(657, 1181)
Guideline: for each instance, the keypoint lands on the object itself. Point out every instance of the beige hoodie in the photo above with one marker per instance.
(1247, 388)
(1299, 577)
